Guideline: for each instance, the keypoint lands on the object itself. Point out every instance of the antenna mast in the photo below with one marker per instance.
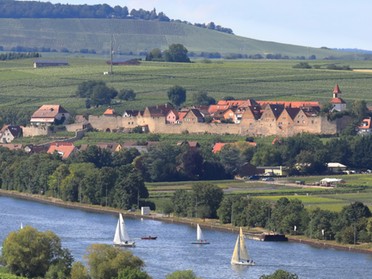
(111, 54)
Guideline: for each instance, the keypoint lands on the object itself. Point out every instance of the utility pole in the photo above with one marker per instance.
(111, 54)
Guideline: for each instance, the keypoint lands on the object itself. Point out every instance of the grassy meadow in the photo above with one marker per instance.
(358, 187)
(23, 87)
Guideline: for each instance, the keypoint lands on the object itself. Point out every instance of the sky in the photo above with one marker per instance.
(312, 23)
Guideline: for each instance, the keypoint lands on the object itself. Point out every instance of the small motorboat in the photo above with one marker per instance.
(149, 237)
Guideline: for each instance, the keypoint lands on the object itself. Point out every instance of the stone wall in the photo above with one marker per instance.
(33, 131)
(247, 127)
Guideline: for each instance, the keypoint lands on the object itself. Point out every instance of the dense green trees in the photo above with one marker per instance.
(177, 95)
(127, 95)
(288, 216)
(203, 201)
(201, 98)
(96, 93)
(106, 261)
(31, 253)
(175, 53)
(182, 274)
(280, 274)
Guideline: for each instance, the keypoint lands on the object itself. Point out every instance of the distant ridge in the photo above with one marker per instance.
(354, 50)
(137, 37)
(33, 26)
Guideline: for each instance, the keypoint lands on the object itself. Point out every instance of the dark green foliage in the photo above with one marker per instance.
(230, 158)
(176, 95)
(336, 67)
(106, 261)
(320, 225)
(15, 116)
(176, 53)
(201, 98)
(96, 92)
(155, 55)
(203, 201)
(302, 65)
(132, 273)
(288, 216)
(207, 199)
(280, 274)
(17, 55)
(182, 274)
(31, 253)
(127, 95)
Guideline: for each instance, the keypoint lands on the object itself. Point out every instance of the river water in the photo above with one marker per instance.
(173, 249)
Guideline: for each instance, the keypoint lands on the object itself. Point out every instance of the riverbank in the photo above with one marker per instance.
(205, 223)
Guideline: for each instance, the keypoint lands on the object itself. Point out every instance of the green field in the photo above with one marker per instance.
(357, 188)
(23, 87)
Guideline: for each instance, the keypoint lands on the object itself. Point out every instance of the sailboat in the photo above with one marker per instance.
(240, 255)
(121, 237)
(199, 236)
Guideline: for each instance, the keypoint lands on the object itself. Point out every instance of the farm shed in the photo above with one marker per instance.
(49, 63)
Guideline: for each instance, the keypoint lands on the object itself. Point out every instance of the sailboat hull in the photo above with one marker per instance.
(126, 244)
(246, 263)
(200, 242)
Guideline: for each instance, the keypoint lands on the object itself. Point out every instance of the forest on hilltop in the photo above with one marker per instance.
(34, 9)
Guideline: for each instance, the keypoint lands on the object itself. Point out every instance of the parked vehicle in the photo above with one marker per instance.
(267, 179)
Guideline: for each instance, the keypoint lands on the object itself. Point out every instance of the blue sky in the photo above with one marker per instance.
(315, 23)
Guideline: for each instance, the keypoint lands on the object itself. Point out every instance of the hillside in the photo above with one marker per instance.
(137, 36)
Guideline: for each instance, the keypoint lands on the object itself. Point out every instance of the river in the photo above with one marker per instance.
(173, 249)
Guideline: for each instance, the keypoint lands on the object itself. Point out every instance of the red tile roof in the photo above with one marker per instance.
(109, 112)
(366, 123)
(337, 101)
(49, 111)
(336, 89)
(218, 146)
(290, 104)
(65, 149)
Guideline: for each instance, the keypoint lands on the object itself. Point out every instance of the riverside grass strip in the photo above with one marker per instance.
(262, 79)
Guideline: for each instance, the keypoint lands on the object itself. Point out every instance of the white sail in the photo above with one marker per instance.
(240, 255)
(199, 233)
(243, 249)
(121, 235)
(199, 236)
(235, 255)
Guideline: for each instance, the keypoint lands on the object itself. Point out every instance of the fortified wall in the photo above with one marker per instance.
(260, 127)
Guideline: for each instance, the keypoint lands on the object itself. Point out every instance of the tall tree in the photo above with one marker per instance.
(201, 98)
(31, 253)
(176, 53)
(177, 95)
(207, 198)
(106, 261)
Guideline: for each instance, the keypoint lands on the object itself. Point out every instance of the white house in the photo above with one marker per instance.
(49, 114)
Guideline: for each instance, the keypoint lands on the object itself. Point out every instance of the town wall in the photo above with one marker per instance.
(248, 127)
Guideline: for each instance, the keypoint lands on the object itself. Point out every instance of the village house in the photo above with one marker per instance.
(10, 132)
(365, 128)
(110, 146)
(193, 116)
(49, 114)
(63, 149)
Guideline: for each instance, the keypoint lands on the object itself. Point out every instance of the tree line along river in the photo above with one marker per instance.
(173, 249)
